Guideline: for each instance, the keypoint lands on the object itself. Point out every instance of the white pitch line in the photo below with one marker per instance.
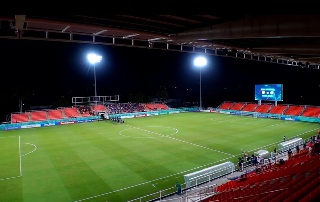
(20, 156)
(9, 178)
(193, 144)
(35, 148)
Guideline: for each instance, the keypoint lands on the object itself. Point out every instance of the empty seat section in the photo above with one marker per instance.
(226, 105)
(312, 196)
(313, 181)
(55, 114)
(311, 112)
(279, 109)
(20, 118)
(71, 112)
(263, 108)
(38, 115)
(249, 107)
(294, 110)
(237, 106)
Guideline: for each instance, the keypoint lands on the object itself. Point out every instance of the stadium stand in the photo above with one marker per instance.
(249, 107)
(71, 112)
(55, 114)
(311, 111)
(155, 106)
(263, 108)
(226, 105)
(296, 179)
(313, 195)
(99, 108)
(20, 118)
(294, 110)
(279, 109)
(84, 111)
(38, 115)
(237, 106)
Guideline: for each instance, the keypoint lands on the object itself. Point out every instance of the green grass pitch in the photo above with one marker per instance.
(107, 161)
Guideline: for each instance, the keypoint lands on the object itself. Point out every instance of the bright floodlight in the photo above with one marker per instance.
(93, 58)
(200, 61)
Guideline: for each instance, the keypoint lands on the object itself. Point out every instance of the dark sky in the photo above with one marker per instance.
(49, 71)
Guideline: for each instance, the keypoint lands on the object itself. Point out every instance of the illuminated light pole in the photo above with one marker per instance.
(200, 62)
(93, 59)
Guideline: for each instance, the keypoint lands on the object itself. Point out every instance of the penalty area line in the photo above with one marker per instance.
(9, 178)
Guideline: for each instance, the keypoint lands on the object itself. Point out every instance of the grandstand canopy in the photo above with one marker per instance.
(270, 32)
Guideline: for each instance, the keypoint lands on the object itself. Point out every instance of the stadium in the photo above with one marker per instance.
(103, 149)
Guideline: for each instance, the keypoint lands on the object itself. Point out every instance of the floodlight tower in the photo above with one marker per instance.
(200, 62)
(93, 59)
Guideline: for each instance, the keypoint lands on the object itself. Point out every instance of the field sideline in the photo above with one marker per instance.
(107, 161)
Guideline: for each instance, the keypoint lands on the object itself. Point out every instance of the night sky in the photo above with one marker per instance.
(50, 73)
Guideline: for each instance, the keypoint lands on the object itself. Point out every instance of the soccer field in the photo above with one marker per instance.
(107, 161)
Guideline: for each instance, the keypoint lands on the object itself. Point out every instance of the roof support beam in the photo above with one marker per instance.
(65, 29)
(97, 33)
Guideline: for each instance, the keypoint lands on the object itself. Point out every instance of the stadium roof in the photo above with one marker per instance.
(285, 39)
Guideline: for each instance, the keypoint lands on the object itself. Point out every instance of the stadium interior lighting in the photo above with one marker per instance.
(93, 59)
(200, 62)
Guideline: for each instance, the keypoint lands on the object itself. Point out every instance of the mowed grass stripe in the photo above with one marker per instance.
(99, 154)
(77, 175)
(10, 179)
(58, 170)
(11, 190)
(42, 181)
(9, 157)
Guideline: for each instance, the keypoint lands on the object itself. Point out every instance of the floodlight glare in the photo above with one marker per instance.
(200, 61)
(93, 58)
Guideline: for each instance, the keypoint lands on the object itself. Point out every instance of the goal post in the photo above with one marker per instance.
(95, 99)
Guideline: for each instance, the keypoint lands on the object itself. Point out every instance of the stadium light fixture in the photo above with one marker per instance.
(200, 62)
(93, 59)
